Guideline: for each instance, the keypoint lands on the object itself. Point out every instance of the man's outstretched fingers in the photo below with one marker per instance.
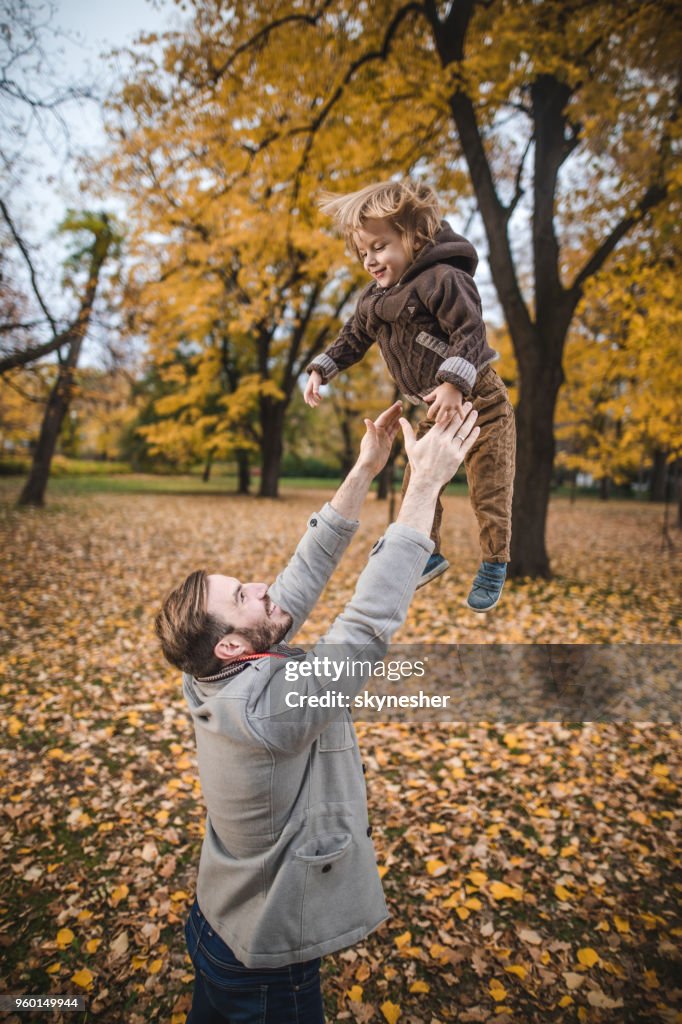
(469, 443)
(408, 435)
(463, 432)
(389, 416)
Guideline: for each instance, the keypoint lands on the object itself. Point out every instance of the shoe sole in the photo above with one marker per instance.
(482, 611)
(437, 571)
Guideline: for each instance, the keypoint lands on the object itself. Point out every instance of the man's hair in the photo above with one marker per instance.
(187, 632)
(410, 207)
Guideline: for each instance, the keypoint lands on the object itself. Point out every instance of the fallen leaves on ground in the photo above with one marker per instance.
(529, 871)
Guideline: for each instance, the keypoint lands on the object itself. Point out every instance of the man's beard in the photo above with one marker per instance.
(270, 633)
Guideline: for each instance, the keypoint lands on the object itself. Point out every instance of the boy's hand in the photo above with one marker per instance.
(445, 401)
(311, 395)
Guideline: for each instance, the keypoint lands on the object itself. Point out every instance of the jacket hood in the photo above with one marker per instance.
(447, 247)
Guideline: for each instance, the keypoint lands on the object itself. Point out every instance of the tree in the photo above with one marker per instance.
(563, 85)
(220, 248)
(620, 409)
(89, 258)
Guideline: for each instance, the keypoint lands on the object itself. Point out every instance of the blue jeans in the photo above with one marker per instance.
(227, 992)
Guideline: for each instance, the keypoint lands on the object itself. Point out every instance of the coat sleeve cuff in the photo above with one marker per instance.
(458, 371)
(338, 522)
(325, 366)
(416, 537)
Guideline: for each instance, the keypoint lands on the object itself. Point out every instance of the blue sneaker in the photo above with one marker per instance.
(434, 567)
(487, 586)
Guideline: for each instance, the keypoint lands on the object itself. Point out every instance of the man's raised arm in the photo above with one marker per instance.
(359, 636)
(330, 531)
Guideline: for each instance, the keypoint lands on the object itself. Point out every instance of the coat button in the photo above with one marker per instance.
(369, 830)
(313, 522)
(326, 868)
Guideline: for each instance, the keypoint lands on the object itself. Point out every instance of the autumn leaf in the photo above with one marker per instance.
(391, 1012)
(83, 978)
(120, 893)
(419, 986)
(588, 957)
(64, 938)
(497, 990)
(502, 891)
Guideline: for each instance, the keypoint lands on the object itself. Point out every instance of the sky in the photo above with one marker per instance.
(87, 31)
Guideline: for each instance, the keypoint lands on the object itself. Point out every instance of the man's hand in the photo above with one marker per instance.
(434, 459)
(444, 402)
(311, 395)
(374, 451)
(375, 447)
(437, 456)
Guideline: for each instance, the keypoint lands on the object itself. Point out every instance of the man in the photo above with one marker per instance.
(287, 870)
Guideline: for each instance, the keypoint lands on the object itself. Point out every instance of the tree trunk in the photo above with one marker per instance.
(33, 492)
(605, 488)
(534, 461)
(347, 450)
(206, 475)
(383, 482)
(386, 478)
(57, 406)
(243, 471)
(659, 476)
(272, 423)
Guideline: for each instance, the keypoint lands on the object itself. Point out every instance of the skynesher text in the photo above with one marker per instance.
(377, 702)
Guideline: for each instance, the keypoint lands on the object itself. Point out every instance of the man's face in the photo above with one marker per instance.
(382, 251)
(249, 610)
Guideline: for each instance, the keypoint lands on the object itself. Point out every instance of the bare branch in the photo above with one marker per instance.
(371, 55)
(30, 355)
(29, 263)
(654, 195)
(263, 33)
(518, 190)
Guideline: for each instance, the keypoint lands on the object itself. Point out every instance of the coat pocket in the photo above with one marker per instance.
(330, 905)
(325, 848)
(337, 736)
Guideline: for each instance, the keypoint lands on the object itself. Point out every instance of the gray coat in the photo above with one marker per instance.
(288, 870)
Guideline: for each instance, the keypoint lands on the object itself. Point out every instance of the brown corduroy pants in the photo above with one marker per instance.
(489, 468)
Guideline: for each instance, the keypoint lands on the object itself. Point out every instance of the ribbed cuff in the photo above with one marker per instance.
(325, 366)
(457, 366)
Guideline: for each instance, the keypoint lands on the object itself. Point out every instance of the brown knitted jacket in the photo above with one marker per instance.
(428, 326)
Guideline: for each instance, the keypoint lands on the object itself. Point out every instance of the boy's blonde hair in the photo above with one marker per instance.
(410, 207)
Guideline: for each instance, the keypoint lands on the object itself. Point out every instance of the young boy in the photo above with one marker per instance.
(424, 311)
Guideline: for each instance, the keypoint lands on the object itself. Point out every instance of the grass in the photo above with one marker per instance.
(226, 484)
(151, 483)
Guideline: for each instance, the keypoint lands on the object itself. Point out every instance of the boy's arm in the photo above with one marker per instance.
(349, 348)
(454, 301)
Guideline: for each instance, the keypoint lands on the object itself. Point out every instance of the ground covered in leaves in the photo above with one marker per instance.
(532, 871)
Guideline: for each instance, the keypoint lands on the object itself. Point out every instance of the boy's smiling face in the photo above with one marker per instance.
(382, 251)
